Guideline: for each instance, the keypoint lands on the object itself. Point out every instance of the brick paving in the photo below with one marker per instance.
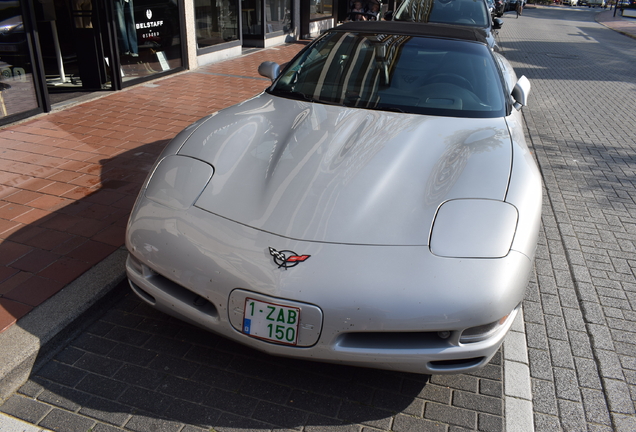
(69, 179)
(580, 310)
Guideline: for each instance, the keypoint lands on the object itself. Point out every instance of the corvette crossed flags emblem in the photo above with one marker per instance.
(286, 258)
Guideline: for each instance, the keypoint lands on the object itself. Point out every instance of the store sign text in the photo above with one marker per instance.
(149, 24)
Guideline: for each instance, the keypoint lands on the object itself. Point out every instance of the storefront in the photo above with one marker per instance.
(223, 27)
(54, 50)
(317, 15)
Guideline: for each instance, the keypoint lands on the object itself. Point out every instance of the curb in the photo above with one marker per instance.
(11, 424)
(616, 29)
(25, 342)
(518, 409)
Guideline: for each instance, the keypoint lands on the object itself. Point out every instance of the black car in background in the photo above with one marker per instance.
(14, 51)
(511, 5)
(470, 13)
(499, 8)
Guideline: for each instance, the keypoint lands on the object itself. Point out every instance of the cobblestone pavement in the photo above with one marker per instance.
(580, 312)
(138, 369)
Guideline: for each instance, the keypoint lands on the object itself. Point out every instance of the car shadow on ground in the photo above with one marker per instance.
(133, 367)
(137, 366)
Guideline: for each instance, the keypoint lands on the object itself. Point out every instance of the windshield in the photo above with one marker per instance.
(464, 12)
(419, 75)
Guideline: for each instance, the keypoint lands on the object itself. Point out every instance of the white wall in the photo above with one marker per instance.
(315, 27)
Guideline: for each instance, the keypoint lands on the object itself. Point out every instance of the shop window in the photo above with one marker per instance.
(17, 88)
(149, 36)
(319, 9)
(278, 15)
(216, 22)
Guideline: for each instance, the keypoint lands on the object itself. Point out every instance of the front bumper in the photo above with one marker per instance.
(374, 306)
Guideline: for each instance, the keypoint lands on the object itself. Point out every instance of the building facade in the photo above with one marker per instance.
(52, 49)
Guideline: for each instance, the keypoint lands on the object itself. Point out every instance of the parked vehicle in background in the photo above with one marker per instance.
(594, 3)
(628, 8)
(571, 2)
(491, 7)
(13, 42)
(500, 7)
(469, 13)
(584, 3)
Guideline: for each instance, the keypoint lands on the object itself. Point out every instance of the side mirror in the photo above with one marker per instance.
(520, 92)
(497, 23)
(388, 16)
(269, 69)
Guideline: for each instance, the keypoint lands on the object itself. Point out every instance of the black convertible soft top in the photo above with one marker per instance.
(447, 31)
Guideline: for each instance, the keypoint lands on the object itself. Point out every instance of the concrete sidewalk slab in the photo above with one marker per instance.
(11, 424)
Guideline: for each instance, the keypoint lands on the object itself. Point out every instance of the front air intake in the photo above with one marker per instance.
(457, 364)
(392, 340)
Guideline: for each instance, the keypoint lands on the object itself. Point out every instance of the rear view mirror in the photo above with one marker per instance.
(520, 92)
(269, 69)
(497, 23)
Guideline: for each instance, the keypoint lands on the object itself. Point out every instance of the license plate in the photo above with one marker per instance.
(271, 321)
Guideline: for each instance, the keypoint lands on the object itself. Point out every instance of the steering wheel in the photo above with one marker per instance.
(452, 78)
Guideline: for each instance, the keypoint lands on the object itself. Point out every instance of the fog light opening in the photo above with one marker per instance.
(444, 334)
(199, 301)
(141, 293)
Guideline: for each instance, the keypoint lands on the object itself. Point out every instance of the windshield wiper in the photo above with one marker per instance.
(387, 108)
(301, 96)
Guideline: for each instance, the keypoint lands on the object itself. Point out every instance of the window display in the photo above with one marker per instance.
(319, 9)
(216, 22)
(148, 34)
(127, 34)
(278, 14)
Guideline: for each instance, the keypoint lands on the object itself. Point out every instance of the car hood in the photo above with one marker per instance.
(316, 172)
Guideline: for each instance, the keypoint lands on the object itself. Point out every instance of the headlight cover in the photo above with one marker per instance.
(473, 228)
(177, 181)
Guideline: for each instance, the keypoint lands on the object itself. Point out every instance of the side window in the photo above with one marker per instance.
(508, 72)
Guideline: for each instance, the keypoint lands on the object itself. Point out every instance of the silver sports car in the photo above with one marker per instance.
(377, 205)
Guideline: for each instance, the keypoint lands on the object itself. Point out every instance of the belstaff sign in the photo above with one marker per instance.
(149, 25)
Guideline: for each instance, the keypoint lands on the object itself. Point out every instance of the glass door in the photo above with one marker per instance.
(17, 84)
(252, 19)
(71, 36)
